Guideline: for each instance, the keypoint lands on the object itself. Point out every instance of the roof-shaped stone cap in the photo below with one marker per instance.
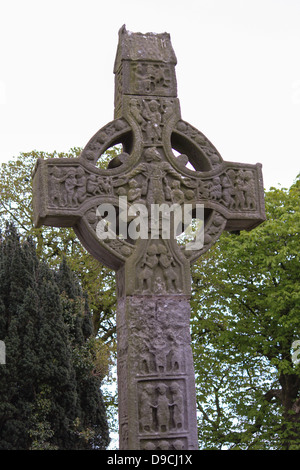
(144, 47)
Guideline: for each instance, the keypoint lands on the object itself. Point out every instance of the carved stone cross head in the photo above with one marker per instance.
(164, 160)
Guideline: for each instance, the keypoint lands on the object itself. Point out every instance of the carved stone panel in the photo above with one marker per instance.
(162, 406)
(156, 370)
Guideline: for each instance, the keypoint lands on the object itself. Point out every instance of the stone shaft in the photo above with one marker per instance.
(157, 403)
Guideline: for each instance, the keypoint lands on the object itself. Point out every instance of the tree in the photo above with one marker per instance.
(246, 298)
(52, 244)
(50, 397)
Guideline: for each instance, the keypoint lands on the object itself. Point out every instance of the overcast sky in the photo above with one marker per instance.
(238, 73)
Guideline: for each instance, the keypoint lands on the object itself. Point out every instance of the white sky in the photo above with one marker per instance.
(238, 73)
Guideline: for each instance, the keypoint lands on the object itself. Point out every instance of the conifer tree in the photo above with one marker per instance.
(49, 397)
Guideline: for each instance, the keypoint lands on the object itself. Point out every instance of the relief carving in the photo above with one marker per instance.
(152, 78)
(202, 142)
(70, 186)
(158, 339)
(160, 183)
(151, 115)
(103, 138)
(161, 408)
(158, 271)
(235, 189)
(164, 444)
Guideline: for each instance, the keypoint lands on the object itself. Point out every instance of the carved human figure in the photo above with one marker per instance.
(178, 444)
(135, 192)
(153, 119)
(80, 192)
(104, 184)
(149, 446)
(159, 345)
(177, 194)
(70, 186)
(175, 359)
(249, 189)
(135, 110)
(163, 408)
(166, 261)
(164, 445)
(92, 185)
(148, 264)
(203, 190)
(216, 188)
(177, 405)
(238, 189)
(146, 408)
(142, 82)
(227, 192)
(154, 170)
(146, 361)
(56, 178)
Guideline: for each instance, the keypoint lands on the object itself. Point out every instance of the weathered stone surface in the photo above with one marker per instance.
(157, 404)
(165, 161)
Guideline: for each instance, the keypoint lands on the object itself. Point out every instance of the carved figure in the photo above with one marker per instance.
(175, 359)
(249, 188)
(238, 189)
(92, 186)
(178, 444)
(150, 261)
(149, 446)
(163, 411)
(154, 170)
(177, 194)
(166, 261)
(163, 445)
(70, 186)
(203, 190)
(159, 345)
(135, 192)
(177, 405)
(80, 193)
(153, 119)
(135, 110)
(227, 192)
(146, 361)
(146, 409)
(56, 178)
(216, 188)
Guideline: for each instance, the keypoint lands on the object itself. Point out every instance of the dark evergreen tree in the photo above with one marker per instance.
(49, 396)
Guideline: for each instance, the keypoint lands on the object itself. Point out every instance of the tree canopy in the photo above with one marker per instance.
(245, 313)
(246, 317)
(50, 395)
(52, 244)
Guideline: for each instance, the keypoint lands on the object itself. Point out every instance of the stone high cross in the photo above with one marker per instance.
(163, 160)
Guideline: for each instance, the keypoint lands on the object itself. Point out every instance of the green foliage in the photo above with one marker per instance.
(45, 323)
(246, 298)
(245, 317)
(54, 243)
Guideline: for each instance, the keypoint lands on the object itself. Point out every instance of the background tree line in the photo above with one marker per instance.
(245, 313)
(50, 396)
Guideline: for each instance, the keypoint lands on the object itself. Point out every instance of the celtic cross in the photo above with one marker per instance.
(164, 161)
